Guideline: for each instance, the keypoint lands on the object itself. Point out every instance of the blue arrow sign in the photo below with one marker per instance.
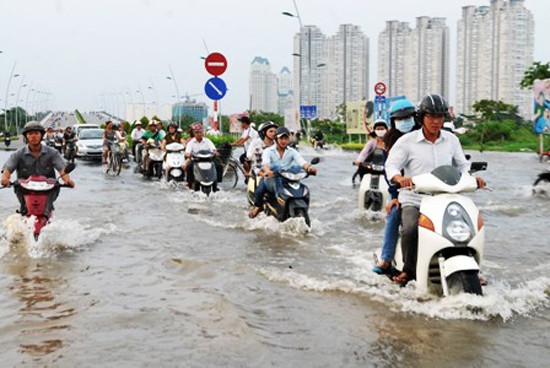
(215, 88)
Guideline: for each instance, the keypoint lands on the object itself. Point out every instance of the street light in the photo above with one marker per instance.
(21, 85)
(7, 96)
(173, 79)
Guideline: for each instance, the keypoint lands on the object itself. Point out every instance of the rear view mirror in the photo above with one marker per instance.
(478, 166)
(315, 160)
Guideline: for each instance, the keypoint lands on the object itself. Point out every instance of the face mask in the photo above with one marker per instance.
(380, 133)
(405, 125)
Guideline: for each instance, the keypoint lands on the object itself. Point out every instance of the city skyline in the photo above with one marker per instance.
(78, 50)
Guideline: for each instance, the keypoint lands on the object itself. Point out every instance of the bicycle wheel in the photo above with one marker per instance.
(229, 178)
(117, 164)
(108, 167)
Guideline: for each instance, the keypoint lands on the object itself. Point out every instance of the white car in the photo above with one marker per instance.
(90, 143)
(78, 127)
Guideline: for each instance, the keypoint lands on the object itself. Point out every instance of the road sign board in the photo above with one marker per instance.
(215, 64)
(380, 88)
(308, 111)
(215, 88)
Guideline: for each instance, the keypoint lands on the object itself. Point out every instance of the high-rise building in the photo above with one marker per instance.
(414, 62)
(495, 47)
(285, 91)
(332, 70)
(309, 57)
(262, 86)
(346, 76)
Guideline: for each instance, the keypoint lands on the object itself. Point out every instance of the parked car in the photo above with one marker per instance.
(78, 127)
(90, 143)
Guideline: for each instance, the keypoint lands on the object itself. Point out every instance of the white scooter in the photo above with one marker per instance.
(451, 233)
(173, 164)
(373, 191)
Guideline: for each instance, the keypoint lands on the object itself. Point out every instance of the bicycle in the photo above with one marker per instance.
(231, 167)
(114, 159)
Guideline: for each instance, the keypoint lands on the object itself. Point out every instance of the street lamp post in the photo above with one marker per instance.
(21, 85)
(7, 96)
(27, 103)
(177, 94)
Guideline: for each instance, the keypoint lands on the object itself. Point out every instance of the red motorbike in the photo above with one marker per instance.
(38, 194)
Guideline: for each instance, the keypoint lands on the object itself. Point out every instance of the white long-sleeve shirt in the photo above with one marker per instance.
(414, 154)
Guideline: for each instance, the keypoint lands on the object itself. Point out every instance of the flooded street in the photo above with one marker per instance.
(132, 273)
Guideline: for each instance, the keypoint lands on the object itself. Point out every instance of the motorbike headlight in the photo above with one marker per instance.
(457, 225)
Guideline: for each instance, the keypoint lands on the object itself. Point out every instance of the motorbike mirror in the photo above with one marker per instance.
(70, 167)
(478, 166)
(315, 160)
(468, 157)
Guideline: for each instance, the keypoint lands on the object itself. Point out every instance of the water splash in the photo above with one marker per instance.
(61, 236)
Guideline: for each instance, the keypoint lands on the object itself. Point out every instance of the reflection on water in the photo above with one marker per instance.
(42, 316)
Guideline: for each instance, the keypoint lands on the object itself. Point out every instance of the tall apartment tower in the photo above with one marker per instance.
(346, 70)
(262, 86)
(414, 62)
(285, 91)
(309, 58)
(330, 71)
(495, 46)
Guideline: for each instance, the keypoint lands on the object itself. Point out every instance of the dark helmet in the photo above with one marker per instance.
(401, 109)
(432, 104)
(264, 127)
(282, 131)
(33, 125)
(172, 124)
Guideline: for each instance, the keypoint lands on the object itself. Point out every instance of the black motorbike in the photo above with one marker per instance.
(7, 139)
(541, 186)
(291, 197)
(70, 150)
(204, 172)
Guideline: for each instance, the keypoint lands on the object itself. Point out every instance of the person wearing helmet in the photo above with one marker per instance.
(278, 157)
(49, 138)
(373, 147)
(34, 158)
(265, 139)
(417, 153)
(160, 129)
(136, 135)
(198, 143)
(109, 135)
(248, 135)
(69, 141)
(172, 136)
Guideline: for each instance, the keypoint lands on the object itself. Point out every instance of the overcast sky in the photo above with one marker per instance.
(81, 49)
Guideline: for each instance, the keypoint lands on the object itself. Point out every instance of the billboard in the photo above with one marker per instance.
(541, 106)
(360, 115)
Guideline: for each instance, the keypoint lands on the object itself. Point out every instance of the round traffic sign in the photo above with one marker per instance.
(215, 88)
(380, 88)
(215, 64)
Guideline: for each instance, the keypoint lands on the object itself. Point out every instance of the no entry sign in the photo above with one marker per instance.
(380, 88)
(215, 64)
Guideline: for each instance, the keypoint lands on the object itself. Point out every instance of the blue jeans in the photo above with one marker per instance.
(391, 234)
(266, 185)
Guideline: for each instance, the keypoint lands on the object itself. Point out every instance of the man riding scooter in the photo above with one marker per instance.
(35, 159)
(278, 157)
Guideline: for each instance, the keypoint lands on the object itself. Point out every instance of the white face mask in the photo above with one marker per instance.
(404, 125)
(380, 133)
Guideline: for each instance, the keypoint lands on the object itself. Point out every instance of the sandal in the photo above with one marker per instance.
(382, 268)
(254, 212)
(401, 279)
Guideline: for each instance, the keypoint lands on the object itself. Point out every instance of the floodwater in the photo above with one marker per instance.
(131, 273)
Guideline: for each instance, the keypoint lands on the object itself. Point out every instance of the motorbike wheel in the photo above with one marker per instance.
(541, 181)
(230, 177)
(301, 212)
(464, 281)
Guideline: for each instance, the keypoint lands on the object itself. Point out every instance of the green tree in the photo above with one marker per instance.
(260, 117)
(496, 110)
(536, 71)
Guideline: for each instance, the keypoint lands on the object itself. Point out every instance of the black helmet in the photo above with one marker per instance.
(432, 104)
(33, 125)
(282, 131)
(173, 124)
(264, 127)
